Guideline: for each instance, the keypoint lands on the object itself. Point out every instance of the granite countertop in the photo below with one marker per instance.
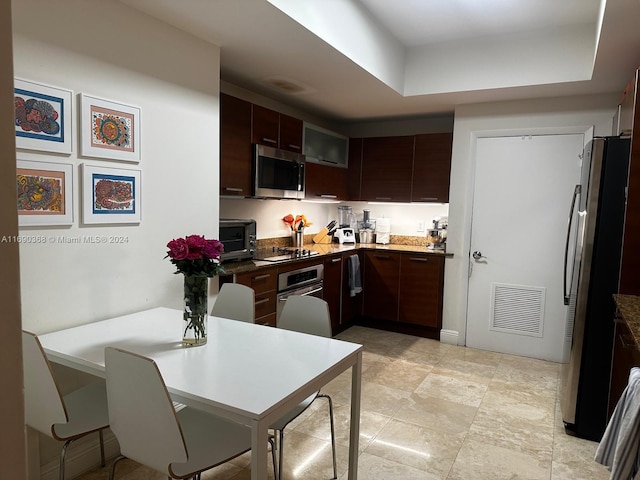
(244, 266)
(629, 308)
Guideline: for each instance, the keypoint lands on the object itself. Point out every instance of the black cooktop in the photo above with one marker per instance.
(280, 254)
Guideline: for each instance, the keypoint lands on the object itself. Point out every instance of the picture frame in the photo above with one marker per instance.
(111, 195)
(44, 193)
(109, 129)
(42, 117)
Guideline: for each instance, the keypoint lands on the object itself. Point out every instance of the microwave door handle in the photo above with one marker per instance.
(301, 177)
(576, 192)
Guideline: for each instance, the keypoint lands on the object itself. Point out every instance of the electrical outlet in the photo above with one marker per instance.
(421, 226)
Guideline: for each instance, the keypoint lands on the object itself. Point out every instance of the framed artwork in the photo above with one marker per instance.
(109, 130)
(45, 193)
(42, 117)
(110, 195)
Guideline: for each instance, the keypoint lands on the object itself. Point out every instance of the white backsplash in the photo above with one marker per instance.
(405, 217)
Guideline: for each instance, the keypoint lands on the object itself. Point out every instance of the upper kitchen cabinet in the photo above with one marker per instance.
(431, 168)
(324, 146)
(325, 182)
(387, 164)
(355, 169)
(275, 129)
(630, 264)
(235, 146)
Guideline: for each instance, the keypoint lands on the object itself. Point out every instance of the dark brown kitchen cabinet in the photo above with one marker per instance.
(421, 287)
(263, 282)
(431, 168)
(625, 356)
(235, 146)
(323, 181)
(290, 133)
(630, 263)
(387, 164)
(332, 289)
(381, 285)
(275, 129)
(355, 168)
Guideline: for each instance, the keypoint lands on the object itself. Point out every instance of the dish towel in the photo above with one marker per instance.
(355, 284)
(618, 449)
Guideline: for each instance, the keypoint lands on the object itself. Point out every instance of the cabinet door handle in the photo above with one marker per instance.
(334, 260)
(269, 140)
(262, 277)
(384, 198)
(260, 302)
(328, 161)
(327, 195)
(295, 147)
(232, 189)
(428, 198)
(416, 259)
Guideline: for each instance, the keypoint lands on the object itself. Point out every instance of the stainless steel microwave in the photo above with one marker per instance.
(238, 237)
(277, 173)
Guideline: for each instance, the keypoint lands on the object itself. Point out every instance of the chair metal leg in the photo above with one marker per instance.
(63, 454)
(272, 442)
(113, 466)
(102, 462)
(280, 452)
(333, 434)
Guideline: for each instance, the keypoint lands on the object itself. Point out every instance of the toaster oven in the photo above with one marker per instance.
(238, 237)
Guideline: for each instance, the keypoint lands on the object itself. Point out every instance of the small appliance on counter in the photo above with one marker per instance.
(383, 230)
(345, 232)
(366, 228)
(345, 235)
(437, 236)
(238, 236)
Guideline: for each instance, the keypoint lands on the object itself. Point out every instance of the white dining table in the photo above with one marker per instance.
(252, 374)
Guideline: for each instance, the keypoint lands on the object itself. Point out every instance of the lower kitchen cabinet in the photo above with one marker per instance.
(403, 292)
(421, 286)
(381, 285)
(332, 289)
(625, 356)
(263, 282)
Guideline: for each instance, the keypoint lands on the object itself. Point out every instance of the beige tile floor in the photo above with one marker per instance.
(430, 411)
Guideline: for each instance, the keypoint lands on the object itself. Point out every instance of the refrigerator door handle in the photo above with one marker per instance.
(577, 191)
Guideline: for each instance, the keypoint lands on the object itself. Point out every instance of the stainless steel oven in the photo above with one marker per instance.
(302, 281)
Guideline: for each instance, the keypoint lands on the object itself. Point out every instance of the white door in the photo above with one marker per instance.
(522, 194)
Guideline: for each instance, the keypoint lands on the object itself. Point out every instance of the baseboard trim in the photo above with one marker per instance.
(449, 336)
(83, 455)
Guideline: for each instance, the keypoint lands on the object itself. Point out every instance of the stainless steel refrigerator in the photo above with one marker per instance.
(592, 270)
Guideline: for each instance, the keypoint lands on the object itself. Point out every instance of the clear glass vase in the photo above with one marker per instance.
(196, 290)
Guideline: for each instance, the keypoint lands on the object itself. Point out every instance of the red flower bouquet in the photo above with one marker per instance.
(195, 255)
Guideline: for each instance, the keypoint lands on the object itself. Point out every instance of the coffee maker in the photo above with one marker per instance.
(344, 232)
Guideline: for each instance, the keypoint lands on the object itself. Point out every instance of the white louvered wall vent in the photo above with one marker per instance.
(517, 309)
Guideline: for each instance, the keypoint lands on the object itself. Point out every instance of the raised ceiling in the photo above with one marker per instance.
(369, 59)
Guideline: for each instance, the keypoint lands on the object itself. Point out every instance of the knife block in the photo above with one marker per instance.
(323, 236)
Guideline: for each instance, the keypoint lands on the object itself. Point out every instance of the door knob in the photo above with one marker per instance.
(477, 255)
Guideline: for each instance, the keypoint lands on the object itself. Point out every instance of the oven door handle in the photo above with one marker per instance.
(283, 298)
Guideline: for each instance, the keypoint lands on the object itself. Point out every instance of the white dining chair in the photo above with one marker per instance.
(179, 443)
(305, 314)
(65, 418)
(235, 301)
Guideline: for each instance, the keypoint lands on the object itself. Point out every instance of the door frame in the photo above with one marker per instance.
(586, 130)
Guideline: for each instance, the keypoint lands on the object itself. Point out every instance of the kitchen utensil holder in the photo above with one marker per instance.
(297, 236)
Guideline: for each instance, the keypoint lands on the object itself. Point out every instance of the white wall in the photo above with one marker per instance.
(541, 116)
(268, 214)
(110, 51)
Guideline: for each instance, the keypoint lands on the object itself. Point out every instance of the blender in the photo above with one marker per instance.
(344, 232)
